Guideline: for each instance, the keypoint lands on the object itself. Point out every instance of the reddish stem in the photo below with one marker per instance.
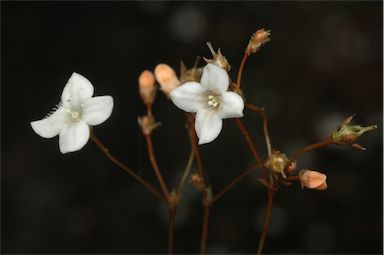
(249, 141)
(267, 218)
(241, 68)
(124, 167)
(234, 182)
(297, 154)
(155, 166)
(171, 222)
(204, 231)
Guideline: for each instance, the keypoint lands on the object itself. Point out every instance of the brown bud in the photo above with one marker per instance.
(291, 167)
(147, 87)
(259, 38)
(166, 77)
(217, 58)
(277, 162)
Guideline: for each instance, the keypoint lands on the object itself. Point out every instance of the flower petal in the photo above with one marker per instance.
(189, 97)
(207, 125)
(74, 137)
(50, 126)
(215, 79)
(232, 106)
(76, 91)
(96, 110)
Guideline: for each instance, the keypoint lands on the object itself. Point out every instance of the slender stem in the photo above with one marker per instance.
(207, 197)
(124, 167)
(204, 231)
(267, 218)
(291, 178)
(195, 148)
(185, 174)
(171, 223)
(263, 114)
(297, 154)
(155, 166)
(241, 68)
(248, 139)
(234, 182)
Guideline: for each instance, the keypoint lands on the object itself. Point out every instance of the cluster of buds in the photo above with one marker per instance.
(348, 134)
(259, 38)
(279, 163)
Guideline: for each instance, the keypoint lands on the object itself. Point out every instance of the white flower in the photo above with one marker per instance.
(210, 100)
(76, 112)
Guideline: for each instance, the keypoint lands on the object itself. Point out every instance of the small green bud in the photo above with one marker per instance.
(348, 134)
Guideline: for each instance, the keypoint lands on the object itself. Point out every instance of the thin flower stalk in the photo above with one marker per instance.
(120, 164)
(204, 231)
(186, 173)
(264, 116)
(249, 141)
(155, 166)
(171, 223)
(267, 219)
(325, 142)
(234, 182)
(240, 73)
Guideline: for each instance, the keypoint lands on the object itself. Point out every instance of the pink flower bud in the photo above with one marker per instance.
(166, 77)
(147, 87)
(313, 180)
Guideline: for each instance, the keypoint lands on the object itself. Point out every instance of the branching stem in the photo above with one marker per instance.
(297, 154)
(124, 167)
(155, 166)
(234, 182)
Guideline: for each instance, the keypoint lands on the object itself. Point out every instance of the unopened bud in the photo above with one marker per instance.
(147, 87)
(148, 124)
(291, 167)
(313, 180)
(166, 77)
(217, 58)
(348, 134)
(198, 182)
(259, 38)
(277, 162)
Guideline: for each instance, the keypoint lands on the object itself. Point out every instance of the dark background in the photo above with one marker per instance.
(324, 63)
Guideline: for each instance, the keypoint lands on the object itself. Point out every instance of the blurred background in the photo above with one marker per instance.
(324, 63)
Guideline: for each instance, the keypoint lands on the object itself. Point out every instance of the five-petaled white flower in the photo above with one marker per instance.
(210, 100)
(76, 112)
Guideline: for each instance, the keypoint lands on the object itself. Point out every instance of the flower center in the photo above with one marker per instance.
(74, 114)
(213, 101)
